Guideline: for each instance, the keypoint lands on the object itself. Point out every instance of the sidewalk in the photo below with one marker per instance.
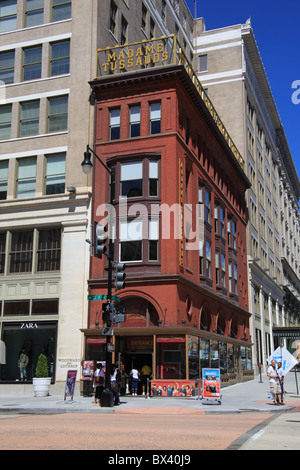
(246, 397)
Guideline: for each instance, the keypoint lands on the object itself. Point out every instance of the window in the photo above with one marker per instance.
(115, 115)
(208, 260)
(29, 124)
(152, 28)
(231, 233)
(3, 179)
(32, 63)
(203, 63)
(207, 214)
(21, 252)
(8, 15)
(34, 13)
(7, 65)
(153, 239)
(60, 58)
(155, 118)
(48, 255)
(135, 121)
(5, 121)
(24, 258)
(153, 178)
(131, 241)
(44, 307)
(58, 114)
(56, 174)
(132, 179)
(113, 13)
(61, 10)
(219, 220)
(124, 25)
(144, 17)
(26, 178)
(232, 275)
(2, 252)
(220, 269)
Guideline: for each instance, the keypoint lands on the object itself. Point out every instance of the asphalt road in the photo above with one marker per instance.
(131, 432)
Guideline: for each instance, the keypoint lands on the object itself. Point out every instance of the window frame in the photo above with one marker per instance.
(60, 59)
(36, 72)
(31, 12)
(8, 69)
(55, 117)
(6, 124)
(34, 119)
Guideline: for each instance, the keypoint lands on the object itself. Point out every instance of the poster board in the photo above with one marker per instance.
(70, 384)
(88, 370)
(173, 388)
(211, 384)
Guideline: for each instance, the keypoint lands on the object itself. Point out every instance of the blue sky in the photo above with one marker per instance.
(276, 28)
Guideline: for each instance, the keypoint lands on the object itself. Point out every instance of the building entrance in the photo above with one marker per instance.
(143, 363)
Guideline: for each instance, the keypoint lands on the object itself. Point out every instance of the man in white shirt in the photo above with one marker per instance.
(281, 378)
(272, 373)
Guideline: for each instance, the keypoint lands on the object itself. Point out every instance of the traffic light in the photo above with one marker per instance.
(120, 276)
(106, 311)
(99, 239)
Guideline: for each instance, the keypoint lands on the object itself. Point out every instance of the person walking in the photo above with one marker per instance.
(116, 383)
(98, 383)
(275, 390)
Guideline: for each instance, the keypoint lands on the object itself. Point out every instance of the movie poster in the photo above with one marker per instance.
(211, 383)
(173, 388)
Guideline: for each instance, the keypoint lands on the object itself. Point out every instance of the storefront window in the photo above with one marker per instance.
(24, 341)
(193, 352)
(246, 358)
(95, 348)
(214, 354)
(170, 358)
(230, 355)
(223, 357)
(204, 353)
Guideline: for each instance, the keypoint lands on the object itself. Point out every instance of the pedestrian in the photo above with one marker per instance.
(146, 373)
(22, 363)
(134, 373)
(281, 379)
(275, 390)
(115, 381)
(98, 383)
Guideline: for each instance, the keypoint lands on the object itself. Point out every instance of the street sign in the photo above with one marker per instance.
(103, 297)
(107, 331)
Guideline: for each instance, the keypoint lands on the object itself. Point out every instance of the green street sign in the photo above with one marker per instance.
(103, 297)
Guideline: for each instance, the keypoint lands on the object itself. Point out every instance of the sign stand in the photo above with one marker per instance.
(211, 387)
(70, 385)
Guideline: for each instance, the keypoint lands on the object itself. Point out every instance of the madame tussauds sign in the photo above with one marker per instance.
(137, 56)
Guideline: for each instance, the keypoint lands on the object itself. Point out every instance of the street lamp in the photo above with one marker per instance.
(107, 395)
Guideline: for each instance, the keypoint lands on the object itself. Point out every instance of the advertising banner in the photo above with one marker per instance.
(70, 383)
(173, 388)
(211, 383)
(87, 370)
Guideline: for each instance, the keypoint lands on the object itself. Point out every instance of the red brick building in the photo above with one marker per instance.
(185, 308)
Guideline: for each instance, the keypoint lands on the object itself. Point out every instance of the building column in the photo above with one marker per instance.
(270, 306)
(73, 298)
(262, 324)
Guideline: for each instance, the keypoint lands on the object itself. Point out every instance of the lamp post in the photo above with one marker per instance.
(107, 395)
